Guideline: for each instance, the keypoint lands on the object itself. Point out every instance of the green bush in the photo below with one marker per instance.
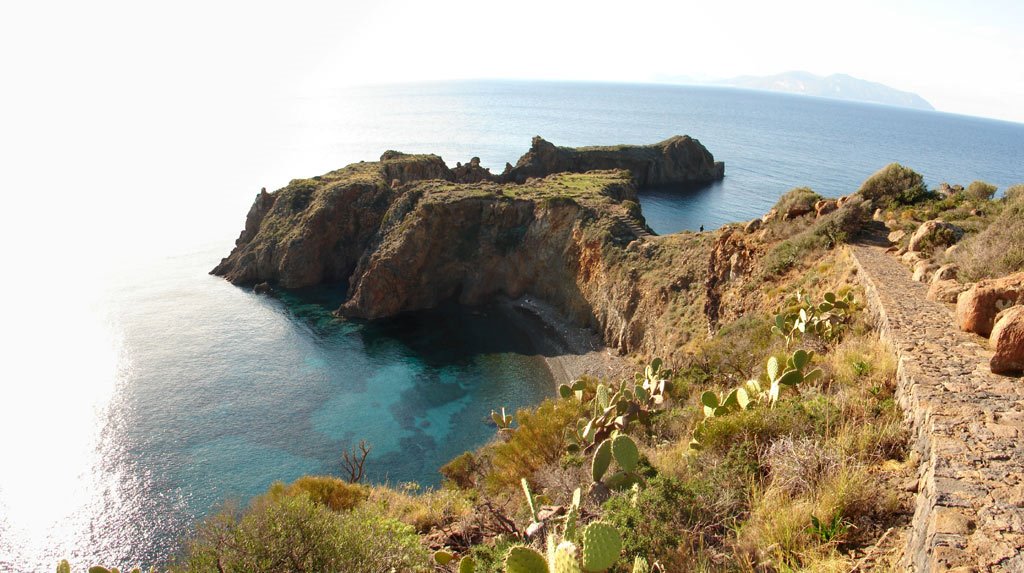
(788, 253)
(1014, 193)
(335, 493)
(997, 250)
(654, 520)
(980, 191)
(461, 471)
(538, 440)
(294, 534)
(798, 198)
(893, 185)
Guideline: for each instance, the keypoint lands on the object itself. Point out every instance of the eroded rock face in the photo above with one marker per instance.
(934, 234)
(976, 308)
(314, 230)
(1008, 341)
(680, 159)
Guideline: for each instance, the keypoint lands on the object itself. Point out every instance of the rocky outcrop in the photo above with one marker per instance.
(976, 308)
(679, 159)
(934, 234)
(1008, 341)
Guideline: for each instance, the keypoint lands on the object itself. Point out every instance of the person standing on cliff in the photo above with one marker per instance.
(702, 228)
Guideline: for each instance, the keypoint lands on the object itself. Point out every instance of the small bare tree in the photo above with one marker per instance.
(353, 461)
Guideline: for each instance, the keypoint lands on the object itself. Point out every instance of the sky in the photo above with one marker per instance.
(114, 95)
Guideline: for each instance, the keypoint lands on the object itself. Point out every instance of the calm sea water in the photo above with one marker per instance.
(153, 391)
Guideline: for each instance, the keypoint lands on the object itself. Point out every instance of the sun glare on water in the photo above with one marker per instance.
(61, 375)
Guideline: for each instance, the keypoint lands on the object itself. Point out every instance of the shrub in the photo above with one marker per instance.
(788, 253)
(461, 471)
(843, 224)
(653, 521)
(539, 439)
(294, 534)
(332, 492)
(997, 250)
(1014, 193)
(980, 191)
(894, 184)
(798, 199)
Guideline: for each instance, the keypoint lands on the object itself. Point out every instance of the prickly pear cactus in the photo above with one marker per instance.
(63, 566)
(99, 569)
(443, 557)
(522, 559)
(626, 453)
(640, 565)
(601, 547)
(467, 565)
(602, 459)
(564, 559)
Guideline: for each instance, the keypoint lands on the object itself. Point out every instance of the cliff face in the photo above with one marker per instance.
(679, 159)
(407, 233)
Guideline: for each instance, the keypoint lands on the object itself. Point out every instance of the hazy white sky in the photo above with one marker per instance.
(117, 107)
(963, 56)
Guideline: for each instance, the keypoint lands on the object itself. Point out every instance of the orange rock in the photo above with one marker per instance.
(977, 307)
(1008, 341)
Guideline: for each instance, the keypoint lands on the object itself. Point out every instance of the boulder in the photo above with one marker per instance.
(933, 234)
(897, 235)
(752, 226)
(878, 216)
(912, 257)
(945, 290)
(946, 272)
(892, 223)
(797, 209)
(262, 288)
(977, 307)
(1008, 341)
(824, 207)
(770, 215)
(842, 201)
(923, 271)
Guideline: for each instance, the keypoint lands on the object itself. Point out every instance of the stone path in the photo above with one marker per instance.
(967, 428)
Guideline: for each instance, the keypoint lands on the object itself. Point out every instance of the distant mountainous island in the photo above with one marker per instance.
(835, 86)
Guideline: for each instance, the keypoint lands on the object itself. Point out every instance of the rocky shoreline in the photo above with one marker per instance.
(569, 351)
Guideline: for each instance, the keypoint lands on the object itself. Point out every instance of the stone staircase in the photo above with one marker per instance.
(967, 428)
(621, 216)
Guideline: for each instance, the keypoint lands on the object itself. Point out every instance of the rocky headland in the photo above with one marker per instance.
(563, 225)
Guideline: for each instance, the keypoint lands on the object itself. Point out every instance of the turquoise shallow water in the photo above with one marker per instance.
(141, 392)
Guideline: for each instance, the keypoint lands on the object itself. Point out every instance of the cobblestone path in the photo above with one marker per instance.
(967, 428)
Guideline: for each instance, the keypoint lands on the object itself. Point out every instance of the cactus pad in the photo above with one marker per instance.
(640, 565)
(602, 459)
(443, 557)
(601, 546)
(64, 566)
(467, 565)
(626, 453)
(522, 559)
(565, 560)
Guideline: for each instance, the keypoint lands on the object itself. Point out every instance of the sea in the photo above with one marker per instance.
(140, 394)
